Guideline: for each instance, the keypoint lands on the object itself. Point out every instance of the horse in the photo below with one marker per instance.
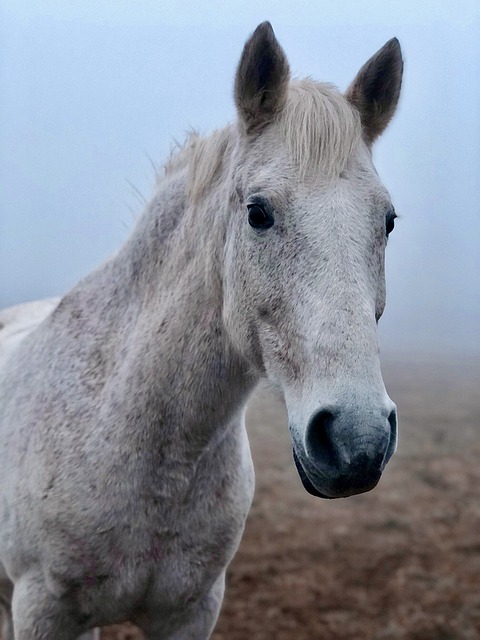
(125, 468)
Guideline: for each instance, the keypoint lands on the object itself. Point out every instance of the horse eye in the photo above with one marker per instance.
(390, 223)
(258, 218)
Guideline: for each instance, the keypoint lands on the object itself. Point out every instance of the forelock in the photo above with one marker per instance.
(320, 127)
(317, 124)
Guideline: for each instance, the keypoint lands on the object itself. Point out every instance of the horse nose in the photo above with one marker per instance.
(351, 445)
(319, 438)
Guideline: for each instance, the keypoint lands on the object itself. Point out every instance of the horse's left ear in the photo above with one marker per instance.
(262, 79)
(376, 89)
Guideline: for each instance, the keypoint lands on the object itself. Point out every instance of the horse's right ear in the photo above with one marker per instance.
(262, 79)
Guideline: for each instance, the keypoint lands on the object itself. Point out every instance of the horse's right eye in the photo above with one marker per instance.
(258, 217)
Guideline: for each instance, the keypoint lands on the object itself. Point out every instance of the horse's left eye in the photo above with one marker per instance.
(258, 217)
(390, 222)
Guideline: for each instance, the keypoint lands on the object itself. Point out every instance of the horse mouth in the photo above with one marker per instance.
(305, 480)
(340, 488)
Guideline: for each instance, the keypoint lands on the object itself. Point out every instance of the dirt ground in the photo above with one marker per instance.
(402, 561)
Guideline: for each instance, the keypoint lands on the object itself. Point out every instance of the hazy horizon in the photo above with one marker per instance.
(90, 93)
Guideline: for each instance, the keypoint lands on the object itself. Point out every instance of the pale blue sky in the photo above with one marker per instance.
(90, 90)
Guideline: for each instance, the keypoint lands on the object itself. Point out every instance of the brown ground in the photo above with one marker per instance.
(400, 562)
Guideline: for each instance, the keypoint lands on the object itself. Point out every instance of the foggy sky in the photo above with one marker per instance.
(90, 93)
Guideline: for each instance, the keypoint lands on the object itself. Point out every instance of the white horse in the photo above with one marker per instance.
(125, 469)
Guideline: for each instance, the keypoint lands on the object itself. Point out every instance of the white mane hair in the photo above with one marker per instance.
(202, 158)
(319, 127)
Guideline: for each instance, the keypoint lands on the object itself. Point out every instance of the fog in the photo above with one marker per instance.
(92, 95)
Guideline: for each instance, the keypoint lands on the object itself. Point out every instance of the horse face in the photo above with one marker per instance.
(304, 258)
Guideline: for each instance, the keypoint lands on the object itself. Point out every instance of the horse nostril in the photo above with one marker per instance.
(392, 419)
(318, 438)
(392, 443)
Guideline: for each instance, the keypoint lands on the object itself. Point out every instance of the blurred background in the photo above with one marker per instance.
(94, 93)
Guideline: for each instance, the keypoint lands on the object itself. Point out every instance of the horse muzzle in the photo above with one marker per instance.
(344, 452)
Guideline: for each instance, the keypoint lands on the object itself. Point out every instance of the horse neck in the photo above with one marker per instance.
(179, 371)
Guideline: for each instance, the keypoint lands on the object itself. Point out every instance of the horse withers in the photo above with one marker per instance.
(125, 469)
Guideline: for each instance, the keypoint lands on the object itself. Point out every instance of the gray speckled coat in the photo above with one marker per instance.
(125, 470)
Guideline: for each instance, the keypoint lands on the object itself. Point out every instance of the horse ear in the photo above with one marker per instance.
(376, 89)
(262, 79)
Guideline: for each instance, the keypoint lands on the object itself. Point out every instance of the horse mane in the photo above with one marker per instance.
(318, 126)
(202, 158)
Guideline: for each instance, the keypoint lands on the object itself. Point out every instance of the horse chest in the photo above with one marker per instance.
(166, 552)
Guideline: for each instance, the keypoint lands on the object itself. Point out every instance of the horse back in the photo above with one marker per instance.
(18, 321)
